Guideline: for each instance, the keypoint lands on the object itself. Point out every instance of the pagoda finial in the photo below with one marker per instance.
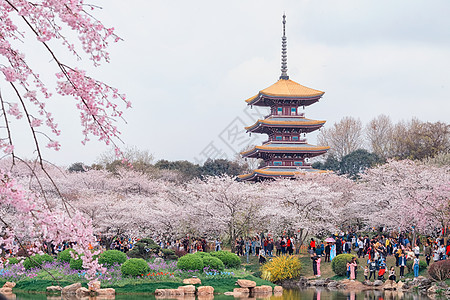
(284, 74)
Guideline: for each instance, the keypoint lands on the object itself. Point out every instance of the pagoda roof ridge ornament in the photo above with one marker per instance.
(284, 69)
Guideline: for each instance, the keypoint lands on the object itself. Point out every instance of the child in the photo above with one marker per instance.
(366, 272)
(262, 259)
(392, 274)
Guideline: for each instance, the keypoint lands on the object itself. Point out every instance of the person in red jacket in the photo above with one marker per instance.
(312, 244)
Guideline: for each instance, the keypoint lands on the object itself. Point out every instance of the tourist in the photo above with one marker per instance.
(416, 251)
(416, 266)
(270, 248)
(248, 245)
(283, 246)
(289, 246)
(257, 245)
(332, 252)
(262, 259)
(318, 266)
(372, 269)
(436, 254)
(427, 253)
(360, 246)
(327, 252)
(254, 246)
(366, 272)
(314, 263)
(392, 274)
(217, 245)
(278, 246)
(442, 252)
(312, 245)
(353, 269)
(402, 264)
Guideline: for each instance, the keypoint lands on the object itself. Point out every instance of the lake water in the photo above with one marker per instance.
(306, 294)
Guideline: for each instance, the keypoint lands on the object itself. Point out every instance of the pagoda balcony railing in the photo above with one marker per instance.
(302, 115)
(302, 141)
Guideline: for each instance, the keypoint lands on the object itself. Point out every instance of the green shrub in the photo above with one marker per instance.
(76, 264)
(135, 267)
(230, 260)
(144, 248)
(110, 257)
(13, 260)
(169, 254)
(65, 255)
(213, 263)
(190, 262)
(409, 265)
(202, 254)
(339, 263)
(281, 268)
(439, 270)
(36, 261)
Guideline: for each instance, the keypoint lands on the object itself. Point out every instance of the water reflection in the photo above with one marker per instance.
(307, 294)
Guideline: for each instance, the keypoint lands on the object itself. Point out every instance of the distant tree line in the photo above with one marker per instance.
(354, 147)
(180, 170)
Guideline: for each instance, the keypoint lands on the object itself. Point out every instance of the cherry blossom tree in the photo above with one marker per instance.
(403, 194)
(24, 96)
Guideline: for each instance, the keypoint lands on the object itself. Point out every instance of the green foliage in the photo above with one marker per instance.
(332, 163)
(230, 260)
(190, 262)
(110, 257)
(339, 263)
(422, 265)
(281, 268)
(65, 255)
(169, 254)
(213, 263)
(135, 267)
(13, 260)
(144, 248)
(36, 261)
(219, 167)
(439, 270)
(76, 264)
(202, 254)
(357, 162)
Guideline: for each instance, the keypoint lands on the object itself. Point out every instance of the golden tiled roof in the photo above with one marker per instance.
(306, 122)
(288, 88)
(290, 147)
(286, 173)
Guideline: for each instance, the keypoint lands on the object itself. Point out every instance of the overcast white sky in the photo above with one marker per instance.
(188, 66)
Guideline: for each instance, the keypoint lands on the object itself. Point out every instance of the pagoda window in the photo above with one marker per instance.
(298, 163)
(295, 138)
(277, 163)
(293, 111)
(279, 110)
(279, 138)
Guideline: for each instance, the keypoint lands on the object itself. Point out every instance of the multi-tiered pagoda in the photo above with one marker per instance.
(286, 152)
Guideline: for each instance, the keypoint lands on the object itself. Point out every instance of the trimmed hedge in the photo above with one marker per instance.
(339, 263)
(36, 261)
(65, 255)
(76, 264)
(213, 263)
(439, 270)
(230, 260)
(202, 254)
(135, 267)
(190, 262)
(111, 257)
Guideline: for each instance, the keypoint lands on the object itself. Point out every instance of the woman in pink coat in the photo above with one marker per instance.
(353, 266)
(318, 266)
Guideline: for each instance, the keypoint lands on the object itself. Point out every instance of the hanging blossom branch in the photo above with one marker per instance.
(99, 105)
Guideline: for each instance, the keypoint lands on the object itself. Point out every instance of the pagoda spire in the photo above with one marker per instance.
(284, 74)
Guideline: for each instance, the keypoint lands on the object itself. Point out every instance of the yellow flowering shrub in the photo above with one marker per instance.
(281, 268)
